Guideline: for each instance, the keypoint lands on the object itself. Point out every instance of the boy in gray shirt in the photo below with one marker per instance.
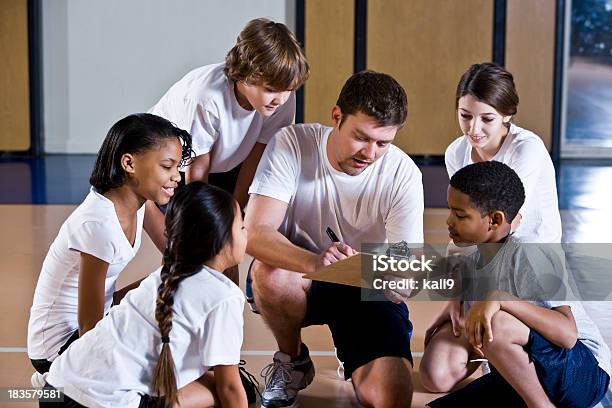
(543, 352)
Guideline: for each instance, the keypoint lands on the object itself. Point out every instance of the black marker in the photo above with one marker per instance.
(332, 235)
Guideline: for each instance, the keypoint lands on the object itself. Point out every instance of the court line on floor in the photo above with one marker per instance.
(13, 350)
(243, 352)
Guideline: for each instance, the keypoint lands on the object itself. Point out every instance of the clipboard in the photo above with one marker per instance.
(345, 272)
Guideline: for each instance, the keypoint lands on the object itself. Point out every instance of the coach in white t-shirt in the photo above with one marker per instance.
(351, 179)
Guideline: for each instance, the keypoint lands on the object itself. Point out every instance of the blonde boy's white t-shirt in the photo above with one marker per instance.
(92, 228)
(525, 153)
(383, 203)
(112, 365)
(204, 103)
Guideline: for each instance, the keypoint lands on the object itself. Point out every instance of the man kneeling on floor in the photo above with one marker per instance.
(352, 179)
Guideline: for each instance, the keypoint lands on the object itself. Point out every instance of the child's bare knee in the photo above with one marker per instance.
(502, 324)
(504, 327)
(436, 378)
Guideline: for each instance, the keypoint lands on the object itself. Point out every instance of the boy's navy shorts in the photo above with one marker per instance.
(570, 378)
(362, 330)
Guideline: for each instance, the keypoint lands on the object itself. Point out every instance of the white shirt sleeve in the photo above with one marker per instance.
(405, 219)
(283, 116)
(527, 161)
(452, 158)
(223, 332)
(203, 126)
(95, 239)
(278, 169)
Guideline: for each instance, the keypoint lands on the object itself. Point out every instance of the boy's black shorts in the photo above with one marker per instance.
(362, 330)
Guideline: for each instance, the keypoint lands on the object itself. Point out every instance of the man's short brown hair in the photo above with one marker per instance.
(375, 94)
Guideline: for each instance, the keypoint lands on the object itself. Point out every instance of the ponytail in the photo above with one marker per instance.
(164, 375)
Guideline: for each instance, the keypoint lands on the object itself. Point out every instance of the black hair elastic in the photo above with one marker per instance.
(165, 339)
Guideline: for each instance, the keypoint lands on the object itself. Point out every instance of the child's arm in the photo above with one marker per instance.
(198, 169)
(557, 325)
(247, 172)
(92, 276)
(228, 386)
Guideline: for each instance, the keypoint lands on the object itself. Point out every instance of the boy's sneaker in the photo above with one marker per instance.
(285, 377)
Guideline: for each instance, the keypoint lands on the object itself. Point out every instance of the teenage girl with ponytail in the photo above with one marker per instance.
(156, 348)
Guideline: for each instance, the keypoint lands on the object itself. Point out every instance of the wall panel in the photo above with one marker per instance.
(14, 76)
(329, 34)
(530, 51)
(426, 45)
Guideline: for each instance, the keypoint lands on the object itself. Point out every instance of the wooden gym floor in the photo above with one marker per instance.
(29, 229)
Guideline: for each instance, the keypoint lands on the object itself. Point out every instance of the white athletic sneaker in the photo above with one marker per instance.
(38, 379)
(284, 378)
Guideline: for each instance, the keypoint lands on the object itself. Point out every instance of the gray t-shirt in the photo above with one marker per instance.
(534, 272)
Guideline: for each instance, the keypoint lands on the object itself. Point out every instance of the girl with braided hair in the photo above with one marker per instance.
(158, 346)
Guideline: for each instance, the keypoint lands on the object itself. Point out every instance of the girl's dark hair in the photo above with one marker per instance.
(133, 134)
(492, 186)
(490, 84)
(199, 223)
(268, 53)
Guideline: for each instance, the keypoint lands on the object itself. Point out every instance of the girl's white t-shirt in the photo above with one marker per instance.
(92, 228)
(382, 204)
(525, 153)
(204, 103)
(112, 365)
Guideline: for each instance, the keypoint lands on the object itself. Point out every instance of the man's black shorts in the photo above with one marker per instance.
(362, 330)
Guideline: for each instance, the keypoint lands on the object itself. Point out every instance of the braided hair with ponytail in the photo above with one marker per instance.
(198, 226)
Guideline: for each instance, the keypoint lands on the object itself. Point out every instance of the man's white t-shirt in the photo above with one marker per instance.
(204, 103)
(92, 228)
(383, 203)
(525, 153)
(112, 365)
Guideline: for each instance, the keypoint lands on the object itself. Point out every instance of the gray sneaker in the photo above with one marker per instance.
(284, 378)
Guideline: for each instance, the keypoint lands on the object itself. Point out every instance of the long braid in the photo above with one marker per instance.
(164, 376)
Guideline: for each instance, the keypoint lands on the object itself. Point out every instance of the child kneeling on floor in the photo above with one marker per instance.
(543, 353)
(156, 347)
